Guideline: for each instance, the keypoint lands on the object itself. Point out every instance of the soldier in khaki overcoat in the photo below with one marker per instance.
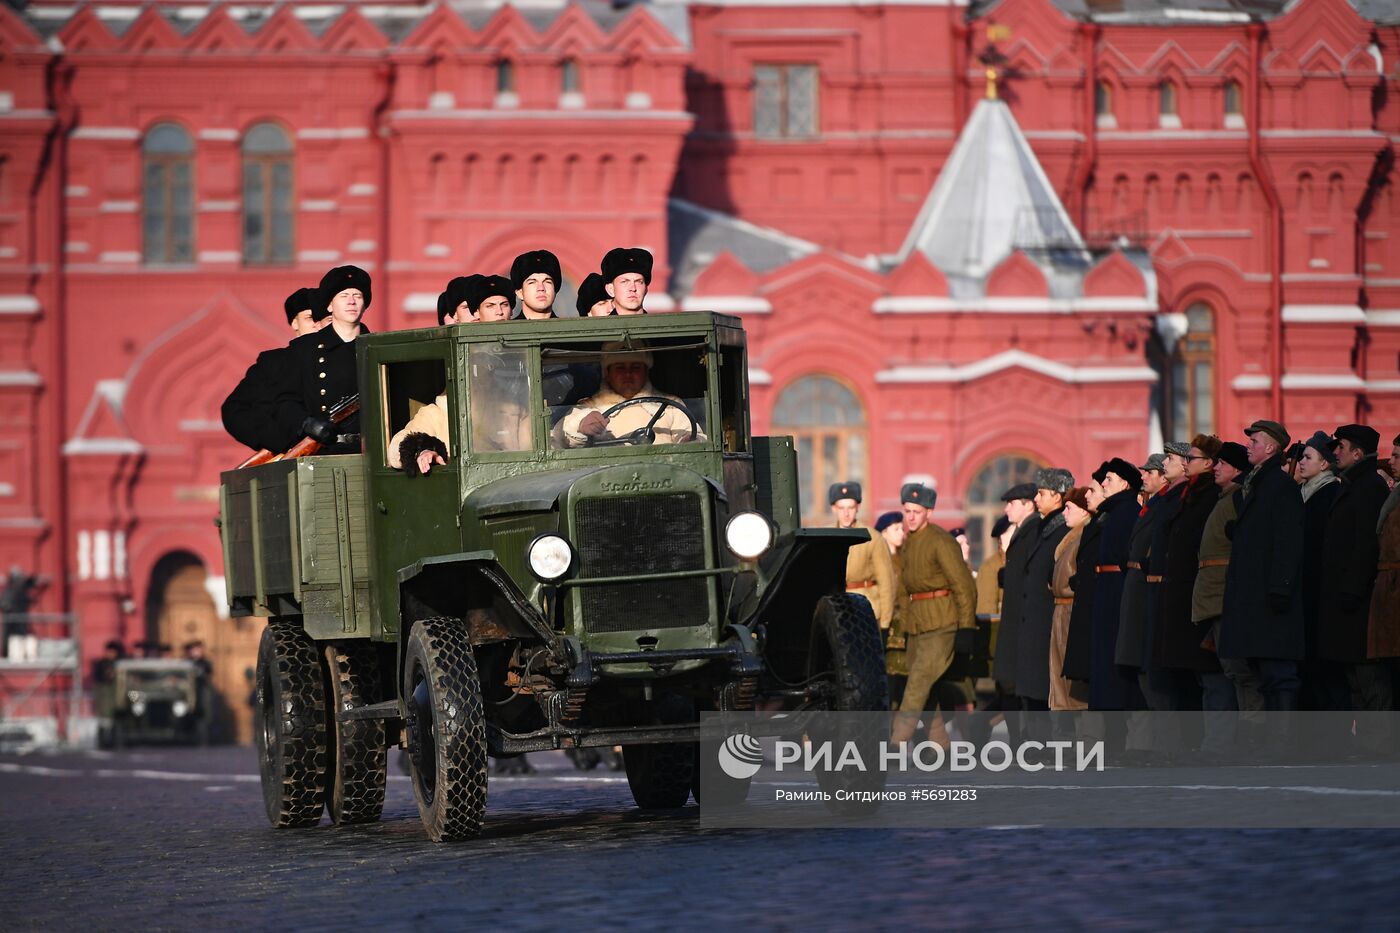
(869, 567)
(937, 597)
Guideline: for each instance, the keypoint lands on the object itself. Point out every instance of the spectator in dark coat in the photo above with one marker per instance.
(1020, 510)
(1176, 644)
(1032, 675)
(1262, 622)
(1383, 634)
(1109, 688)
(1132, 627)
(1350, 553)
(1078, 647)
(1324, 684)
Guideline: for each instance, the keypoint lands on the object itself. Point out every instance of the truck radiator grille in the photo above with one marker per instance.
(620, 535)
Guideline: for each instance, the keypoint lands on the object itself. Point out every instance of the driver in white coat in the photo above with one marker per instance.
(626, 375)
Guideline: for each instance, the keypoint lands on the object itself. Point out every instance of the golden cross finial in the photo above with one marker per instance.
(991, 83)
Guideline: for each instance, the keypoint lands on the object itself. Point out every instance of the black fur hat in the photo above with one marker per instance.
(301, 300)
(590, 291)
(338, 280)
(621, 260)
(1120, 467)
(537, 260)
(458, 291)
(487, 286)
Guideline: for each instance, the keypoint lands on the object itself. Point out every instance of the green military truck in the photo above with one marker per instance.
(545, 588)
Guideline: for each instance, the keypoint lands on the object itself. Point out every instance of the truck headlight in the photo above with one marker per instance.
(549, 557)
(179, 708)
(138, 707)
(749, 535)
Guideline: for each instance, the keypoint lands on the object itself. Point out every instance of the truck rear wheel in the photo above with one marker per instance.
(290, 730)
(359, 765)
(447, 730)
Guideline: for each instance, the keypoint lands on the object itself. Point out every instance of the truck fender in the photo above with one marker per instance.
(815, 567)
(470, 586)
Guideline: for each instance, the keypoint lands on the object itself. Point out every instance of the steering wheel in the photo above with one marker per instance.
(647, 433)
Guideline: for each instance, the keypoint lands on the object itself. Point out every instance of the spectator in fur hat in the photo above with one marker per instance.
(1109, 688)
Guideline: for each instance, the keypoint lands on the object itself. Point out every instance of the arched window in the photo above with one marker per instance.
(1166, 105)
(827, 422)
(267, 195)
(1103, 104)
(1233, 104)
(568, 77)
(983, 503)
(1188, 377)
(167, 194)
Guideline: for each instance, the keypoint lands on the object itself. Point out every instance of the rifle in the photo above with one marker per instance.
(306, 446)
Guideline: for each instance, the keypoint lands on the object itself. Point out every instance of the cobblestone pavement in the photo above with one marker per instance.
(176, 839)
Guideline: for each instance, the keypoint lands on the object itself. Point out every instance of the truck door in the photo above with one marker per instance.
(411, 516)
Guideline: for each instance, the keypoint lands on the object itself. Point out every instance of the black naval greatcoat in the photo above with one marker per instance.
(1176, 642)
(1139, 599)
(1109, 687)
(1081, 619)
(247, 412)
(316, 371)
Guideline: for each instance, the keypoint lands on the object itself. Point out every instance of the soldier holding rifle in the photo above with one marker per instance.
(309, 389)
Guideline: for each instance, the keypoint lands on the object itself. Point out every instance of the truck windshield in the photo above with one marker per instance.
(616, 394)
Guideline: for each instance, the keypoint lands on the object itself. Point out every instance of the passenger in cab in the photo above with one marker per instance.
(423, 441)
(627, 376)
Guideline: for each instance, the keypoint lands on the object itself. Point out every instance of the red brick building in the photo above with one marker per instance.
(1172, 217)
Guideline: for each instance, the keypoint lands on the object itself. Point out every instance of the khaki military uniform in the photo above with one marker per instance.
(870, 573)
(896, 648)
(938, 598)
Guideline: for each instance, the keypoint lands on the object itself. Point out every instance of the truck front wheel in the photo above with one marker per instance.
(846, 651)
(661, 775)
(447, 730)
(359, 769)
(290, 731)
